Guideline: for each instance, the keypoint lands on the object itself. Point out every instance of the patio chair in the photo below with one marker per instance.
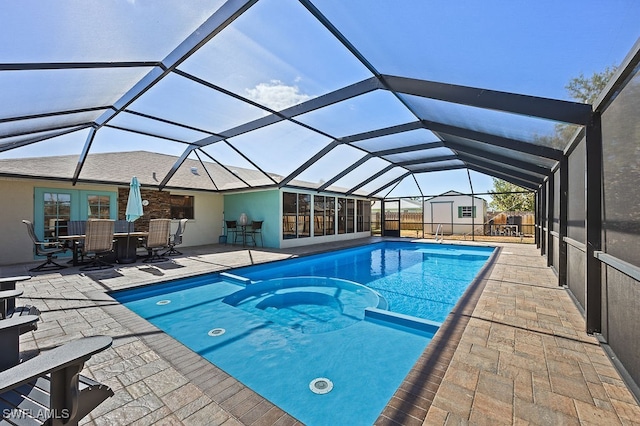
(232, 228)
(157, 240)
(255, 231)
(45, 248)
(49, 389)
(98, 241)
(8, 295)
(176, 239)
(77, 227)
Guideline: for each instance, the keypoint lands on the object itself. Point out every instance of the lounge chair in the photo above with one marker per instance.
(10, 331)
(8, 297)
(176, 239)
(99, 242)
(45, 248)
(49, 389)
(9, 283)
(157, 240)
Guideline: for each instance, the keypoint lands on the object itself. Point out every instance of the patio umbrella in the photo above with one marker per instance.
(134, 206)
(134, 203)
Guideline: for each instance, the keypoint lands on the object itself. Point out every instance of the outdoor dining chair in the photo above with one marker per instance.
(45, 248)
(176, 239)
(232, 228)
(256, 231)
(98, 241)
(158, 239)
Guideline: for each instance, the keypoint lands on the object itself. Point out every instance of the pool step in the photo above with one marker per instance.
(418, 324)
(234, 279)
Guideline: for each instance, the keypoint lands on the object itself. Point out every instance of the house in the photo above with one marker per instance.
(43, 190)
(455, 213)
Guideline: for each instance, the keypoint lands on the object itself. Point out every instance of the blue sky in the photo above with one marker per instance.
(278, 55)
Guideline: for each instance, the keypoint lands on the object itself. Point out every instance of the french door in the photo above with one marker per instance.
(54, 207)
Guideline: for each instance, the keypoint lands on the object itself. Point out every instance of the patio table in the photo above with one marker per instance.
(122, 254)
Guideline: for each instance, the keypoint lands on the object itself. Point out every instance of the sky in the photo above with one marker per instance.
(278, 55)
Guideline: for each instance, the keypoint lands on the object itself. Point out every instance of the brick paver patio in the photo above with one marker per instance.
(514, 351)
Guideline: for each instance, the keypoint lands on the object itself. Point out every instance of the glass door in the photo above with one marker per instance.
(391, 218)
(53, 211)
(54, 207)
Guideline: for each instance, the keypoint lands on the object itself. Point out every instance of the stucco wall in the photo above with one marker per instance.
(260, 205)
(18, 204)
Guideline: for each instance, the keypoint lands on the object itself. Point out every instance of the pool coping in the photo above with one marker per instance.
(412, 400)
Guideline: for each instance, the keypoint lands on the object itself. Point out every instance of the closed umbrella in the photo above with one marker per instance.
(134, 209)
(134, 203)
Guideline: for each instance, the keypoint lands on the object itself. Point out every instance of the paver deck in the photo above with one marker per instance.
(513, 351)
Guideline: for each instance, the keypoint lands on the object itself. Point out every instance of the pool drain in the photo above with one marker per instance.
(321, 385)
(163, 302)
(216, 332)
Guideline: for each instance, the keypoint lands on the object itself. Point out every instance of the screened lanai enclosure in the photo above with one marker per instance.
(356, 99)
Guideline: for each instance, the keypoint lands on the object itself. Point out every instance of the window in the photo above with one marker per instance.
(318, 215)
(304, 215)
(289, 214)
(466, 211)
(351, 213)
(342, 215)
(98, 206)
(330, 216)
(57, 211)
(182, 207)
(364, 216)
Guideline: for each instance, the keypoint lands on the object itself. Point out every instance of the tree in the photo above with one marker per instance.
(582, 89)
(506, 196)
(587, 89)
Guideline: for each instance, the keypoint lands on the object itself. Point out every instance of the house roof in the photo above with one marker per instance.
(149, 167)
(454, 194)
(324, 95)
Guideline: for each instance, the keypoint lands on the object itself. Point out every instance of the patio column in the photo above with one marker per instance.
(548, 234)
(593, 216)
(536, 212)
(564, 202)
(543, 210)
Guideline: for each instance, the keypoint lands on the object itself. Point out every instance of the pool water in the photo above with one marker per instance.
(421, 280)
(321, 349)
(308, 304)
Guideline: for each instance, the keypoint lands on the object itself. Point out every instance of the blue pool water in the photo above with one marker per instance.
(421, 280)
(319, 317)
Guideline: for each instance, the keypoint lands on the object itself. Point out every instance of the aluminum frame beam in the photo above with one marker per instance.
(496, 174)
(535, 169)
(505, 171)
(494, 140)
(593, 225)
(533, 106)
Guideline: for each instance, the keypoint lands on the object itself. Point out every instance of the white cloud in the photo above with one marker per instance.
(277, 95)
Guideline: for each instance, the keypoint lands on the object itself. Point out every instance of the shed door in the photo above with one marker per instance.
(442, 214)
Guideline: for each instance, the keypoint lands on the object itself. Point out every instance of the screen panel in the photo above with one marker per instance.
(576, 200)
(621, 142)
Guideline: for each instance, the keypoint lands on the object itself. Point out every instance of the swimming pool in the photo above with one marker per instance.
(313, 335)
